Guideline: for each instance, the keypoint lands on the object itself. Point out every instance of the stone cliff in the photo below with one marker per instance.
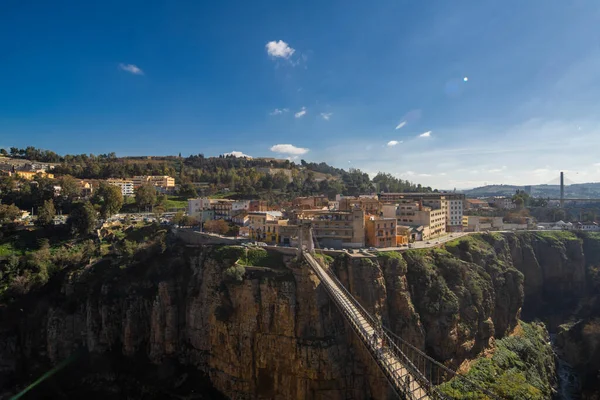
(189, 324)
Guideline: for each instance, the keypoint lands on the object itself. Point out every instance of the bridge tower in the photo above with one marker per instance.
(305, 239)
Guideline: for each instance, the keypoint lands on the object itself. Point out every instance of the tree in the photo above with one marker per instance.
(46, 213)
(145, 196)
(8, 213)
(83, 218)
(217, 226)
(3, 152)
(110, 199)
(188, 190)
(69, 187)
(178, 218)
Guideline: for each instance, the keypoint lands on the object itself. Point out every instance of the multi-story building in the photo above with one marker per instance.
(504, 203)
(476, 204)
(240, 205)
(196, 206)
(257, 205)
(162, 181)
(258, 223)
(125, 185)
(222, 208)
(414, 213)
(336, 229)
(451, 203)
(380, 232)
(369, 205)
(310, 202)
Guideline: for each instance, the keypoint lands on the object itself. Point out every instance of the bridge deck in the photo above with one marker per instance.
(393, 368)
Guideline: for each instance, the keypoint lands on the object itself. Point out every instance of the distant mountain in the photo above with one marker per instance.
(578, 190)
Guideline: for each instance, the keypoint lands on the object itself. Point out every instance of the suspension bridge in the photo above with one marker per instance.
(411, 373)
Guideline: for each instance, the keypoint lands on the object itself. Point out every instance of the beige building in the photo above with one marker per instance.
(257, 223)
(380, 232)
(413, 213)
(451, 203)
(337, 229)
(162, 181)
(371, 206)
(311, 202)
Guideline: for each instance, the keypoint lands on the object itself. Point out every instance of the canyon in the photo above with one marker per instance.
(193, 322)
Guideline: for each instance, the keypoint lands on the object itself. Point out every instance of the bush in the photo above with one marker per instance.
(235, 273)
(518, 368)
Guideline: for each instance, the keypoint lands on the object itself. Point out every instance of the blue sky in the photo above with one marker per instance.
(373, 85)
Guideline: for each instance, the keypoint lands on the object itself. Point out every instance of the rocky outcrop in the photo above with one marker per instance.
(180, 324)
(273, 335)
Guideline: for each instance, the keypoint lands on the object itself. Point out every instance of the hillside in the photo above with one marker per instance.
(264, 178)
(574, 191)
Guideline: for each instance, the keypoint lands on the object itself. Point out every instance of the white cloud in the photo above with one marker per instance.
(133, 69)
(279, 49)
(300, 113)
(424, 175)
(392, 143)
(425, 134)
(288, 149)
(278, 111)
(401, 124)
(496, 170)
(237, 154)
(326, 116)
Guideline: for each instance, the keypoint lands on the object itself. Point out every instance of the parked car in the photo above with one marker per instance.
(372, 249)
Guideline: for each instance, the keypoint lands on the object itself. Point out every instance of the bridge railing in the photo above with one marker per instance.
(427, 371)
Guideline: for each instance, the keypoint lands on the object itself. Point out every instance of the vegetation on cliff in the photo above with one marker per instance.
(521, 366)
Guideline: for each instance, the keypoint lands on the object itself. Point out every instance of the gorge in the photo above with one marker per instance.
(227, 322)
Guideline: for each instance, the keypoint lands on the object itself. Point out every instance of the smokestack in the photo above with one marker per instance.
(562, 189)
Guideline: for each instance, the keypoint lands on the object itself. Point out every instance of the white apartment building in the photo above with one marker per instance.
(125, 185)
(454, 213)
(240, 205)
(197, 206)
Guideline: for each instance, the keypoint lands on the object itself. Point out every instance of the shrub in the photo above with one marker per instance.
(235, 273)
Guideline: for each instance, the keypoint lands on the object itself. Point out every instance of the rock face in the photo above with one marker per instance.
(179, 326)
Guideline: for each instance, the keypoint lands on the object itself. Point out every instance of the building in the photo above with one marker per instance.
(380, 232)
(310, 202)
(476, 204)
(274, 229)
(125, 185)
(240, 218)
(336, 229)
(403, 234)
(451, 203)
(257, 205)
(257, 223)
(414, 213)
(222, 208)
(240, 205)
(161, 181)
(30, 175)
(86, 188)
(370, 205)
(196, 206)
(504, 203)
(473, 223)
(586, 226)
